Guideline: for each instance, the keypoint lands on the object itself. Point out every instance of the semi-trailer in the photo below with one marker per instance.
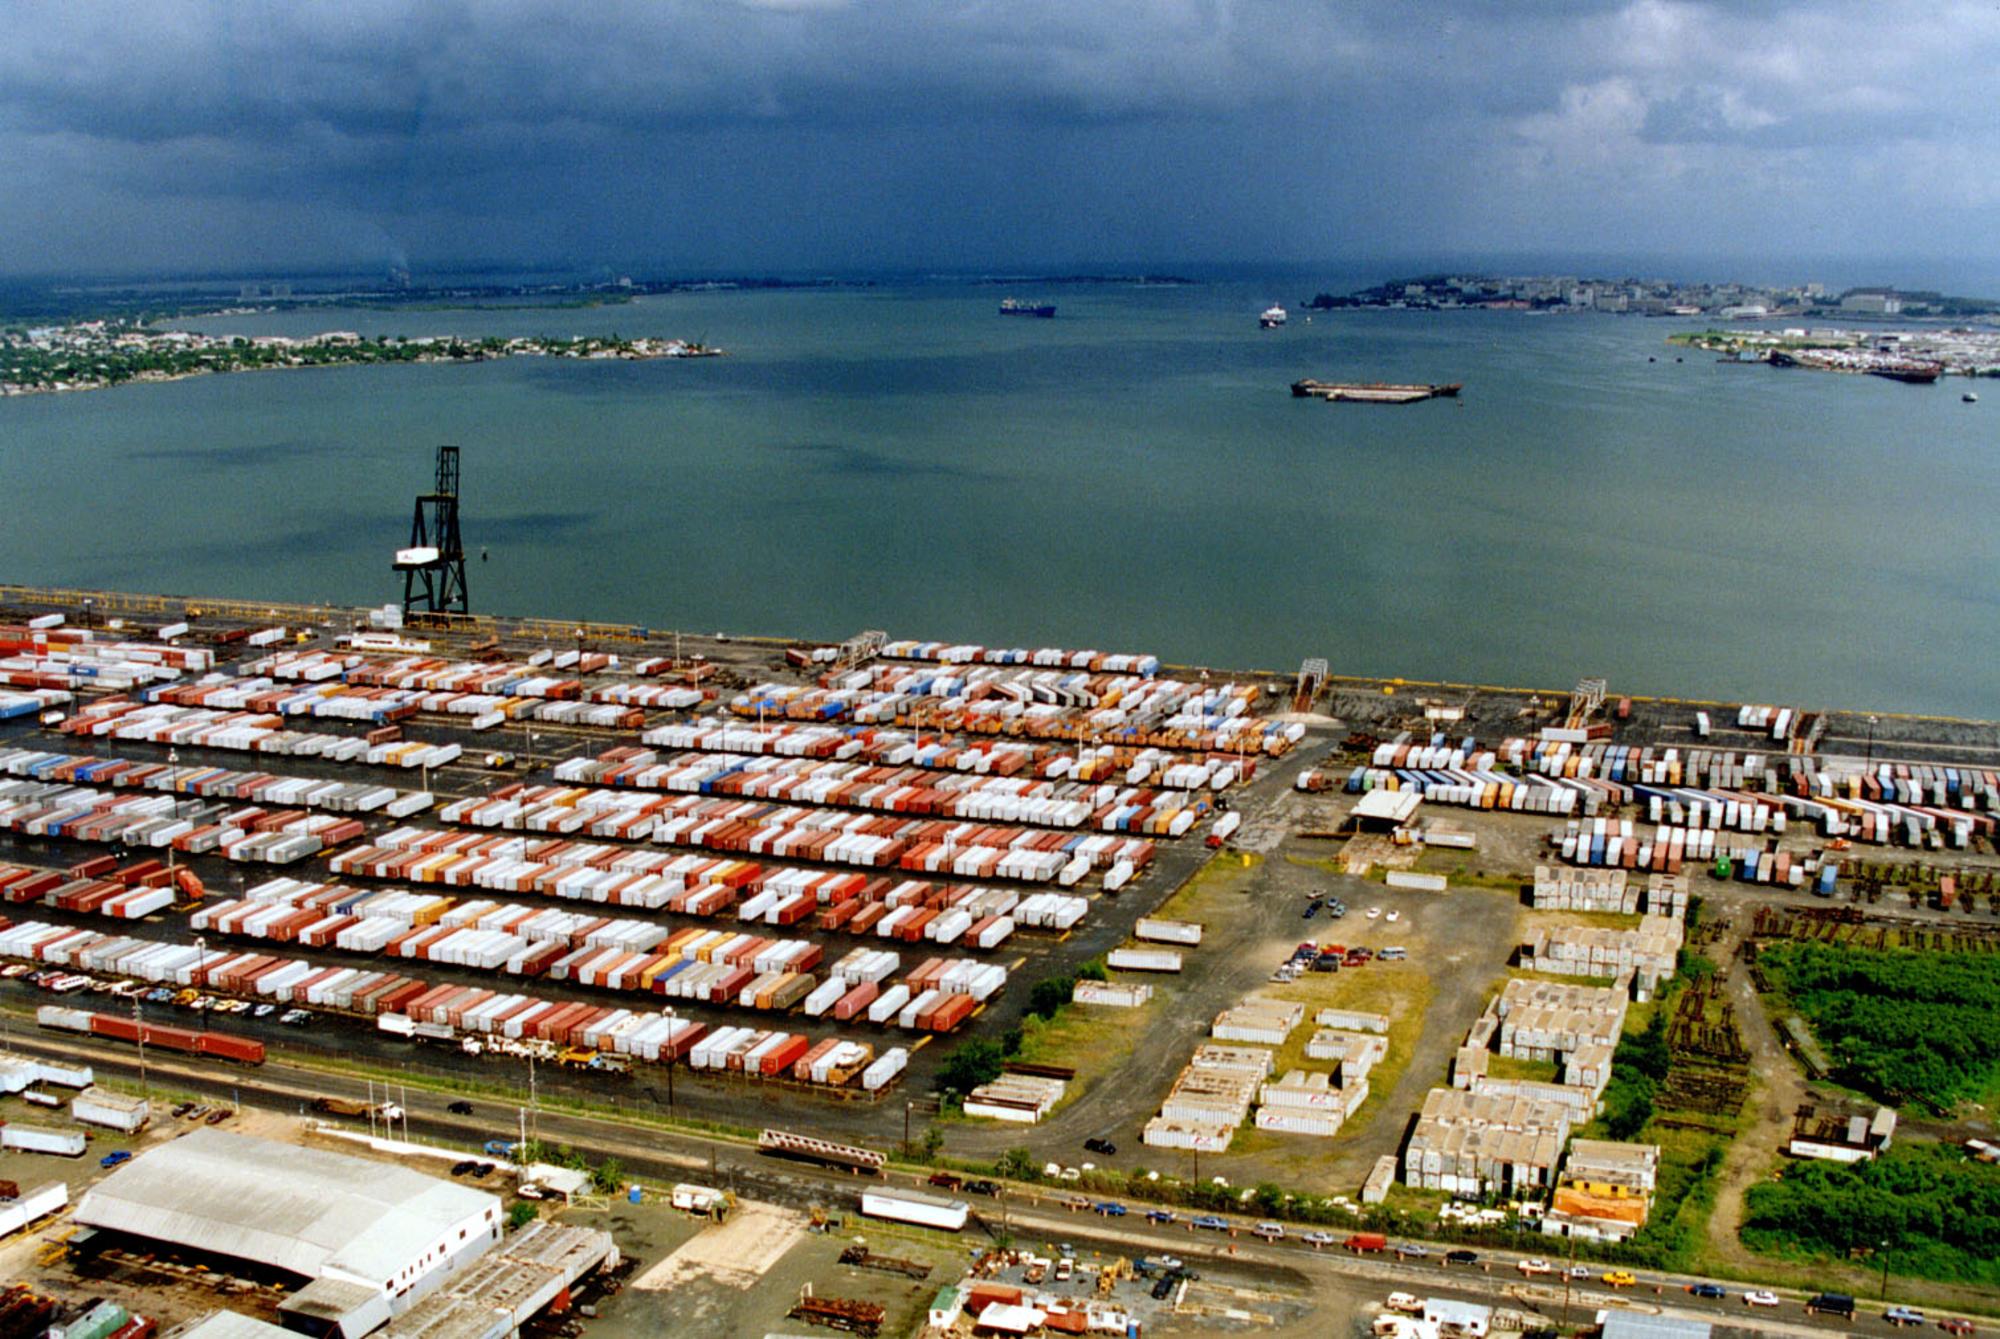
(909, 1206)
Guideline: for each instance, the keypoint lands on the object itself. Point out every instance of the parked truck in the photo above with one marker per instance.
(348, 1106)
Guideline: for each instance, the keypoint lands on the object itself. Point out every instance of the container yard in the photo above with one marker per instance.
(805, 875)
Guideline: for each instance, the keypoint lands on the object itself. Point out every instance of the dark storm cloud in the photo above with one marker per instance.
(695, 133)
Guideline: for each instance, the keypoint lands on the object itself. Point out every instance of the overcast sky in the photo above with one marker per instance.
(768, 135)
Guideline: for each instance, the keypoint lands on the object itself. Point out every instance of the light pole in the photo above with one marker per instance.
(673, 1019)
(173, 789)
(1883, 1251)
(200, 965)
(1872, 722)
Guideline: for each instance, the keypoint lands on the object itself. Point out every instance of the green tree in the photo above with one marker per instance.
(972, 1064)
(521, 1214)
(1018, 1164)
(609, 1177)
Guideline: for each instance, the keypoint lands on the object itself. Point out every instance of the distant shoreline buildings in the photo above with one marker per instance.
(1652, 297)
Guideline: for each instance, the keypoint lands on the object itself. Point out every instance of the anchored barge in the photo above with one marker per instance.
(1373, 392)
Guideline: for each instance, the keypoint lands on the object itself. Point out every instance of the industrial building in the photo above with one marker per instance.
(370, 1238)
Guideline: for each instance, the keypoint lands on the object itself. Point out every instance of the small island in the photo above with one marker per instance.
(97, 355)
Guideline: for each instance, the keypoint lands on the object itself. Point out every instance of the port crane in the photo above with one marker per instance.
(433, 566)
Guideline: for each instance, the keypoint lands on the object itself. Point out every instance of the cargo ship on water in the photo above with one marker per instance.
(1375, 392)
(1271, 318)
(1016, 307)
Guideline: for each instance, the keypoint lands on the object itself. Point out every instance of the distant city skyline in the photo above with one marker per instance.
(752, 136)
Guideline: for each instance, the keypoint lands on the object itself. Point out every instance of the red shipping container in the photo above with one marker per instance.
(855, 1000)
(243, 1050)
(783, 1056)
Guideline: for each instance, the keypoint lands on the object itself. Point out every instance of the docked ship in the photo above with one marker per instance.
(1917, 374)
(1016, 307)
(1271, 317)
(1375, 392)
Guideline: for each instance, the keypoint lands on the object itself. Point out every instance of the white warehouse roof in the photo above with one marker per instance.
(305, 1210)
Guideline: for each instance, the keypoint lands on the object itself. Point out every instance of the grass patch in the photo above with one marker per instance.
(1452, 864)
(1090, 1039)
(1609, 920)
(1525, 1071)
(1211, 890)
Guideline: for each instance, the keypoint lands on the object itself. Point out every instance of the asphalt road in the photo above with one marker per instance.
(1028, 1213)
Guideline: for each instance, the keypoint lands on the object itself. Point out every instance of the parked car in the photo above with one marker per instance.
(461, 1168)
(460, 1108)
(1760, 1297)
(1209, 1220)
(982, 1188)
(1410, 1250)
(1461, 1257)
(219, 1115)
(1161, 1216)
(1620, 1278)
(1534, 1267)
(1316, 1239)
(1407, 1303)
(1958, 1325)
(1577, 1272)
(113, 1159)
(1269, 1231)
(1104, 1146)
(1903, 1315)
(1710, 1290)
(1110, 1209)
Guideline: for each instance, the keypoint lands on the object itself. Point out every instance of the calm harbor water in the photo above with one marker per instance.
(1132, 476)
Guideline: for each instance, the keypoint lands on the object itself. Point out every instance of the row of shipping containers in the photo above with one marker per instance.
(901, 748)
(1046, 657)
(253, 732)
(254, 834)
(709, 966)
(969, 849)
(214, 783)
(656, 1037)
(119, 1027)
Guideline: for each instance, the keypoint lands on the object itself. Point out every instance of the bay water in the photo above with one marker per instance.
(1132, 475)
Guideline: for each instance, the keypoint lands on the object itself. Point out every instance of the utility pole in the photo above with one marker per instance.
(200, 963)
(1567, 1269)
(1883, 1251)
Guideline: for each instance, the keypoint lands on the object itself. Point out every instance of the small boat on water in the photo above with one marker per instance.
(1374, 392)
(1016, 307)
(1271, 317)
(1970, 398)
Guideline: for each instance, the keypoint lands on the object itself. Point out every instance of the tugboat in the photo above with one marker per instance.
(1271, 317)
(1969, 398)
